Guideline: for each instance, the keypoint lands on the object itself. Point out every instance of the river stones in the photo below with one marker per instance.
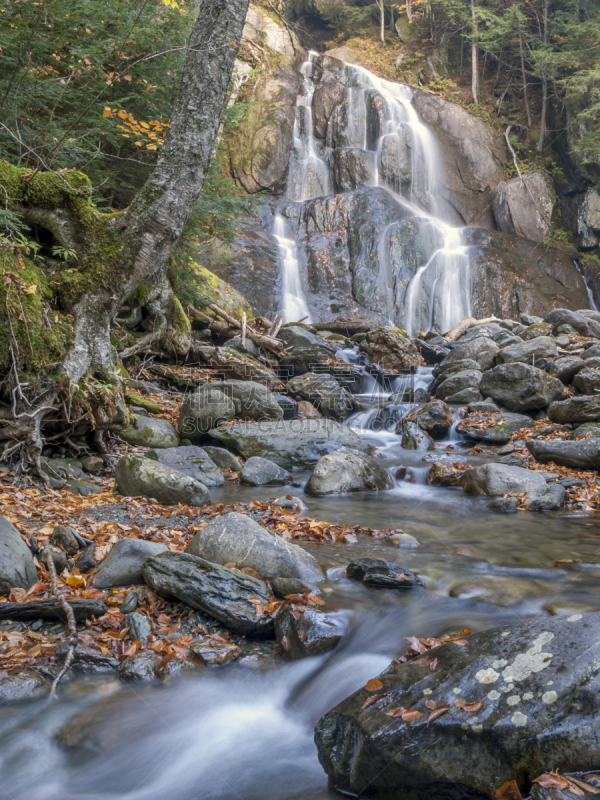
(578, 454)
(583, 325)
(566, 367)
(587, 381)
(435, 418)
(150, 432)
(552, 499)
(542, 347)
(230, 597)
(585, 408)
(347, 470)
(191, 461)
(413, 438)
(382, 574)
(392, 349)
(457, 382)
(480, 349)
(312, 633)
(589, 430)
(493, 428)
(139, 626)
(222, 458)
(22, 684)
(238, 539)
(215, 650)
(520, 387)
(259, 471)
(123, 565)
(537, 682)
(16, 562)
(442, 474)
(140, 667)
(304, 359)
(291, 444)
(86, 659)
(324, 392)
(297, 336)
(137, 476)
(493, 480)
(536, 330)
(64, 537)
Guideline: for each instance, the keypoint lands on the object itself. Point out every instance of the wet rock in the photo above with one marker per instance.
(237, 539)
(304, 359)
(22, 684)
(583, 325)
(505, 505)
(589, 430)
(413, 438)
(432, 353)
(140, 667)
(524, 205)
(392, 349)
(347, 470)
(443, 371)
(215, 650)
(435, 418)
(382, 574)
(503, 591)
(123, 565)
(493, 428)
(297, 443)
(137, 476)
(535, 681)
(585, 408)
(590, 353)
(87, 560)
(513, 460)
(312, 634)
(581, 454)
(130, 602)
(191, 461)
(442, 474)
(536, 330)
(92, 464)
(525, 352)
(139, 626)
(284, 586)
(482, 406)
(566, 367)
(222, 458)
(352, 167)
(402, 540)
(259, 471)
(86, 659)
(306, 410)
(552, 499)
(150, 432)
(587, 381)
(467, 379)
(494, 480)
(176, 667)
(464, 397)
(64, 537)
(520, 387)
(481, 349)
(287, 405)
(324, 392)
(215, 590)
(16, 562)
(291, 502)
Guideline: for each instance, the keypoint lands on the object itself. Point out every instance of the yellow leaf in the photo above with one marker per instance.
(107, 112)
(30, 289)
(127, 77)
(151, 147)
(122, 114)
(144, 125)
(140, 144)
(75, 582)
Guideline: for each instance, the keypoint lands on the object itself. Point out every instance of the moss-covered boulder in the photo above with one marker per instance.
(150, 432)
(221, 293)
(137, 476)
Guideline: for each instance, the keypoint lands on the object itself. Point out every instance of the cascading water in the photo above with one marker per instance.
(293, 302)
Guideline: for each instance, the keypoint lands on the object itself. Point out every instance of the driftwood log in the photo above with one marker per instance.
(464, 325)
(234, 328)
(52, 610)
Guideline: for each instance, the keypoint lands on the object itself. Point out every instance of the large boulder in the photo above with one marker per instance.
(566, 367)
(587, 381)
(347, 470)
(137, 476)
(391, 348)
(324, 392)
(585, 408)
(296, 336)
(579, 454)
(520, 387)
(413, 438)
(17, 569)
(215, 403)
(230, 597)
(238, 366)
(493, 428)
(480, 349)
(124, 564)
(150, 432)
(192, 461)
(291, 444)
(524, 206)
(541, 347)
(494, 480)
(457, 382)
(238, 539)
(585, 326)
(303, 359)
(309, 633)
(435, 418)
(259, 471)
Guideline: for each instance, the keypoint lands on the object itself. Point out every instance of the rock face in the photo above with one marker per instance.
(480, 349)
(347, 470)
(291, 444)
(142, 477)
(151, 432)
(259, 471)
(313, 633)
(576, 409)
(238, 539)
(191, 461)
(581, 454)
(494, 429)
(493, 480)
(382, 574)
(520, 387)
(217, 591)
(536, 682)
(523, 206)
(16, 562)
(324, 392)
(124, 564)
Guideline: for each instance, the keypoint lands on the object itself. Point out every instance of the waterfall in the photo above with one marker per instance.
(379, 120)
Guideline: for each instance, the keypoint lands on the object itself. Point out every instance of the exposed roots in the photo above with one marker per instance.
(47, 556)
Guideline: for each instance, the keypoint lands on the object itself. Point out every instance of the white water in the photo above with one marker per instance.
(293, 301)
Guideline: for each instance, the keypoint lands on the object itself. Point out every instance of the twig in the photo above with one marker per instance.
(274, 329)
(243, 329)
(47, 555)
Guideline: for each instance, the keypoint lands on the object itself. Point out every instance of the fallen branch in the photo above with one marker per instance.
(52, 610)
(276, 346)
(465, 324)
(47, 556)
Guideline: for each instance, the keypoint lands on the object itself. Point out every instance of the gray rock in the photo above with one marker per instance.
(86, 659)
(413, 438)
(467, 379)
(140, 667)
(585, 408)
(191, 461)
(24, 684)
(215, 651)
(324, 392)
(382, 574)
(130, 602)
(284, 586)
(142, 477)
(305, 359)
(347, 470)
(139, 626)
(580, 454)
(551, 667)
(313, 633)
(481, 349)
(435, 418)
(287, 405)
(291, 502)
(587, 381)
(590, 353)
(447, 368)
(353, 167)
(566, 367)
(123, 565)
(259, 471)
(505, 505)
(513, 460)
(17, 569)
(65, 537)
(543, 346)
(494, 480)
(392, 349)
(535, 331)
(238, 539)
(222, 458)
(583, 325)
(464, 397)
(520, 387)
(215, 590)
(495, 428)
(524, 205)
(481, 406)
(552, 499)
(589, 430)
(150, 432)
(293, 443)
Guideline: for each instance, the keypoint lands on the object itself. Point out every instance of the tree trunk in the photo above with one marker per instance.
(382, 19)
(146, 234)
(540, 145)
(409, 10)
(474, 56)
(525, 93)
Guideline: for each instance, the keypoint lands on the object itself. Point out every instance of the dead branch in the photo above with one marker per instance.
(70, 615)
(276, 346)
(465, 324)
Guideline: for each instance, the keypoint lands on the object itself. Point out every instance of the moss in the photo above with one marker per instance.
(142, 402)
(139, 298)
(221, 293)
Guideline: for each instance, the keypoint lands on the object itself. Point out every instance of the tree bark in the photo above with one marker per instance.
(382, 19)
(474, 56)
(525, 92)
(540, 145)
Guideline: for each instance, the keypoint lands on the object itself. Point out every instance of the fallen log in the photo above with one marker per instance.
(52, 610)
(233, 328)
(464, 325)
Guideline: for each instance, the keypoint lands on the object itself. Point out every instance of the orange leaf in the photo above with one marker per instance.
(438, 712)
(373, 685)
(550, 780)
(411, 714)
(75, 582)
(473, 706)
(508, 791)
(370, 700)
(431, 704)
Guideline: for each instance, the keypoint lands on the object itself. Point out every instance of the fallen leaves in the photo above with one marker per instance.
(437, 712)
(373, 685)
(508, 791)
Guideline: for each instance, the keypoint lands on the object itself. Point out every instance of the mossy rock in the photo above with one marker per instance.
(142, 402)
(222, 294)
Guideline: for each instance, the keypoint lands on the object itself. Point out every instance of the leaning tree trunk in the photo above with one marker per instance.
(146, 234)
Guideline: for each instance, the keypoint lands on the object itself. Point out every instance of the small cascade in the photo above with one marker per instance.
(293, 302)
